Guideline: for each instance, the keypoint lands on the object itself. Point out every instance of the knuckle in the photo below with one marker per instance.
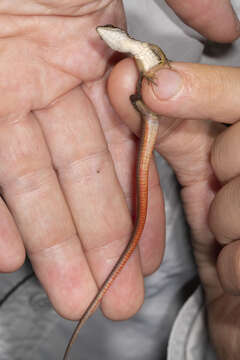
(228, 266)
(84, 169)
(30, 182)
(225, 157)
(224, 213)
(217, 157)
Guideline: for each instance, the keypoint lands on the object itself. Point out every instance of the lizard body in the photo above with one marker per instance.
(148, 58)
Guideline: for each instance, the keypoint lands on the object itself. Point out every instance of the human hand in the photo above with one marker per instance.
(214, 19)
(204, 155)
(67, 161)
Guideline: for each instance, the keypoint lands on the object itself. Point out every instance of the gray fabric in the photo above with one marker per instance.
(189, 339)
(30, 328)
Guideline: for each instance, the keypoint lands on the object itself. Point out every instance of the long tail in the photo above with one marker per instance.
(148, 139)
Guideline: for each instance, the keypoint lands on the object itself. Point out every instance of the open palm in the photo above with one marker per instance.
(67, 161)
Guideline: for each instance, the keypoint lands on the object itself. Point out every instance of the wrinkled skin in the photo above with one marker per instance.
(67, 159)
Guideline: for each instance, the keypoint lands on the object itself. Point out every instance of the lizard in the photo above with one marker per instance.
(149, 58)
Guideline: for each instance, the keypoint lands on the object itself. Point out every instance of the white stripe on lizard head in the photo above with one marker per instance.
(119, 40)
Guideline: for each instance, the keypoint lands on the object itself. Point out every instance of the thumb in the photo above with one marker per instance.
(199, 92)
(195, 91)
(186, 92)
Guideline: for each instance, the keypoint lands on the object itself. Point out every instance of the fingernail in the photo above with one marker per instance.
(168, 83)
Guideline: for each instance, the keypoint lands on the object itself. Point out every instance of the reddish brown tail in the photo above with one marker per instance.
(148, 138)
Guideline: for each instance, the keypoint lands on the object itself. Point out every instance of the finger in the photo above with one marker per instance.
(195, 91)
(228, 266)
(88, 177)
(214, 19)
(124, 154)
(12, 252)
(185, 144)
(203, 92)
(225, 157)
(32, 192)
(224, 213)
(122, 81)
(151, 244)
